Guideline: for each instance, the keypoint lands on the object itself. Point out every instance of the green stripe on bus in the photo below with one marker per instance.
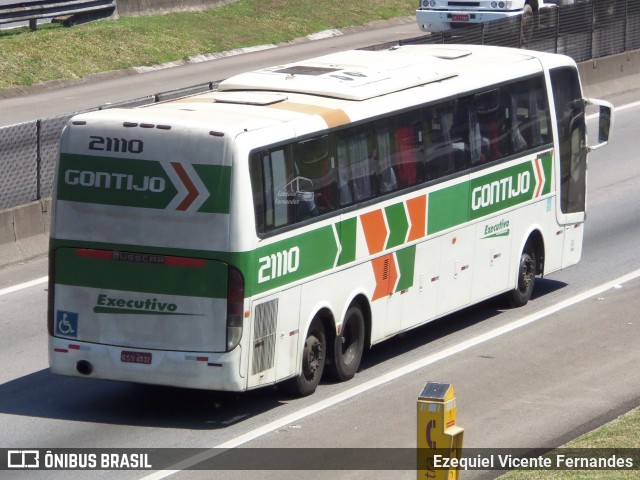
(217, 179)
(348, 230)
(547, 167)
(398, 224)
(294, 258)
(448, 207)
(488, 194)
(406, 264)
(209, 280)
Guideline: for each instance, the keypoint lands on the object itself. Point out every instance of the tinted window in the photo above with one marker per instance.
(571, 135)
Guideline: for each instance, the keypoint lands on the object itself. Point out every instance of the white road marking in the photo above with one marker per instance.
(616, 109)
(627, 106)
(392, 375)
(22, 286)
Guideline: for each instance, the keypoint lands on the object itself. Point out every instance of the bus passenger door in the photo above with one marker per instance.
(571, 149)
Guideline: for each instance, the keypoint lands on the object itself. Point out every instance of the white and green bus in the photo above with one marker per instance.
(271, 230)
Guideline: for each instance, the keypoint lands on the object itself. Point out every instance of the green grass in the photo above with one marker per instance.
(56, 52)
(624, 432)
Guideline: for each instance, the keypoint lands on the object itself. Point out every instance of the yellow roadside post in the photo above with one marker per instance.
(438, 435)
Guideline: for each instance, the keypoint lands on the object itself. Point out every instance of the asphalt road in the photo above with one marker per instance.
(522, 378)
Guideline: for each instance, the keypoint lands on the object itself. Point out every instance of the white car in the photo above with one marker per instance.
(443, 15)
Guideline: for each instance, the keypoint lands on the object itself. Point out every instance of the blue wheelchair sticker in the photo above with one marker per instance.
(66, 324)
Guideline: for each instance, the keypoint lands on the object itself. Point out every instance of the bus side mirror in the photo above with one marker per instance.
(605, 121)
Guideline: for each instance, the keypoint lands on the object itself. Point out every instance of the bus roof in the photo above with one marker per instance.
(356, 83)
(364, 74)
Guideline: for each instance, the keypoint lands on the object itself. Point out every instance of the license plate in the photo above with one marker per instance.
(135, 357)
(459, 18)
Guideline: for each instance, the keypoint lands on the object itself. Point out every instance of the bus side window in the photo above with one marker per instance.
(315, 166)
(438, 144)
(493, 117)
(570, 120)
(280, 195)
(447, 138)
(387, 178)
(529, 119)
(400, 152)
(408, 149)
(261, 202)
(357, 174)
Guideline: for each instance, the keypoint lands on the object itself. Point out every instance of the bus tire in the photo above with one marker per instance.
(349, 345)
(526, 278)
(526, 25)
(533, 4)
(313, 361)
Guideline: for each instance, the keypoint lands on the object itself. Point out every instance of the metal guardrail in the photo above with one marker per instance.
(583, 31)
(33, 11)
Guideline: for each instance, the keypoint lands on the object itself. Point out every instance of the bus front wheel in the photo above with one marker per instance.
(526, 278)
(349, 345)
(313, 361)
(533, 5)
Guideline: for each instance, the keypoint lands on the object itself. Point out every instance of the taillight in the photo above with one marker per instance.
(235, 307)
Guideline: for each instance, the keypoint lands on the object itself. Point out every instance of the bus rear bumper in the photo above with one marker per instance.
(208, 371)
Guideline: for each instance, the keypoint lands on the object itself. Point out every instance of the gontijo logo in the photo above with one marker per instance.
(508, 187)
(171, 185)
(115, 181)
(500, 190)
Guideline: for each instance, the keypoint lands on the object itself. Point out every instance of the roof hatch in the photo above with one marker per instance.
(248, 98)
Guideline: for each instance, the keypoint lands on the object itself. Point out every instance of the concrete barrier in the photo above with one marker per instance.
(133, 8)
(610, 75)
(24, 232)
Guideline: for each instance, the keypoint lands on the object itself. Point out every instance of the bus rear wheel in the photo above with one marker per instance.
(526, 278)
(349, 345)
(313, 361)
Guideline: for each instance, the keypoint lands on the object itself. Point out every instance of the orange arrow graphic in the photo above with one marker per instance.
(375, 230)
(386, 275)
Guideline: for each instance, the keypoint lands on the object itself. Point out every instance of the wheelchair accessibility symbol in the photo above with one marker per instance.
(66, 324)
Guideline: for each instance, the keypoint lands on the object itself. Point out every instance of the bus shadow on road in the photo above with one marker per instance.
(42, 394)
(454, 323)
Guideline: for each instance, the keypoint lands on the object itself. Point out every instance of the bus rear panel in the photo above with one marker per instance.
(140, 283)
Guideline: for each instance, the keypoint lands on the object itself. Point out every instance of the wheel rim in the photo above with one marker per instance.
(527, 273)
(312, 356)
(350, 336)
